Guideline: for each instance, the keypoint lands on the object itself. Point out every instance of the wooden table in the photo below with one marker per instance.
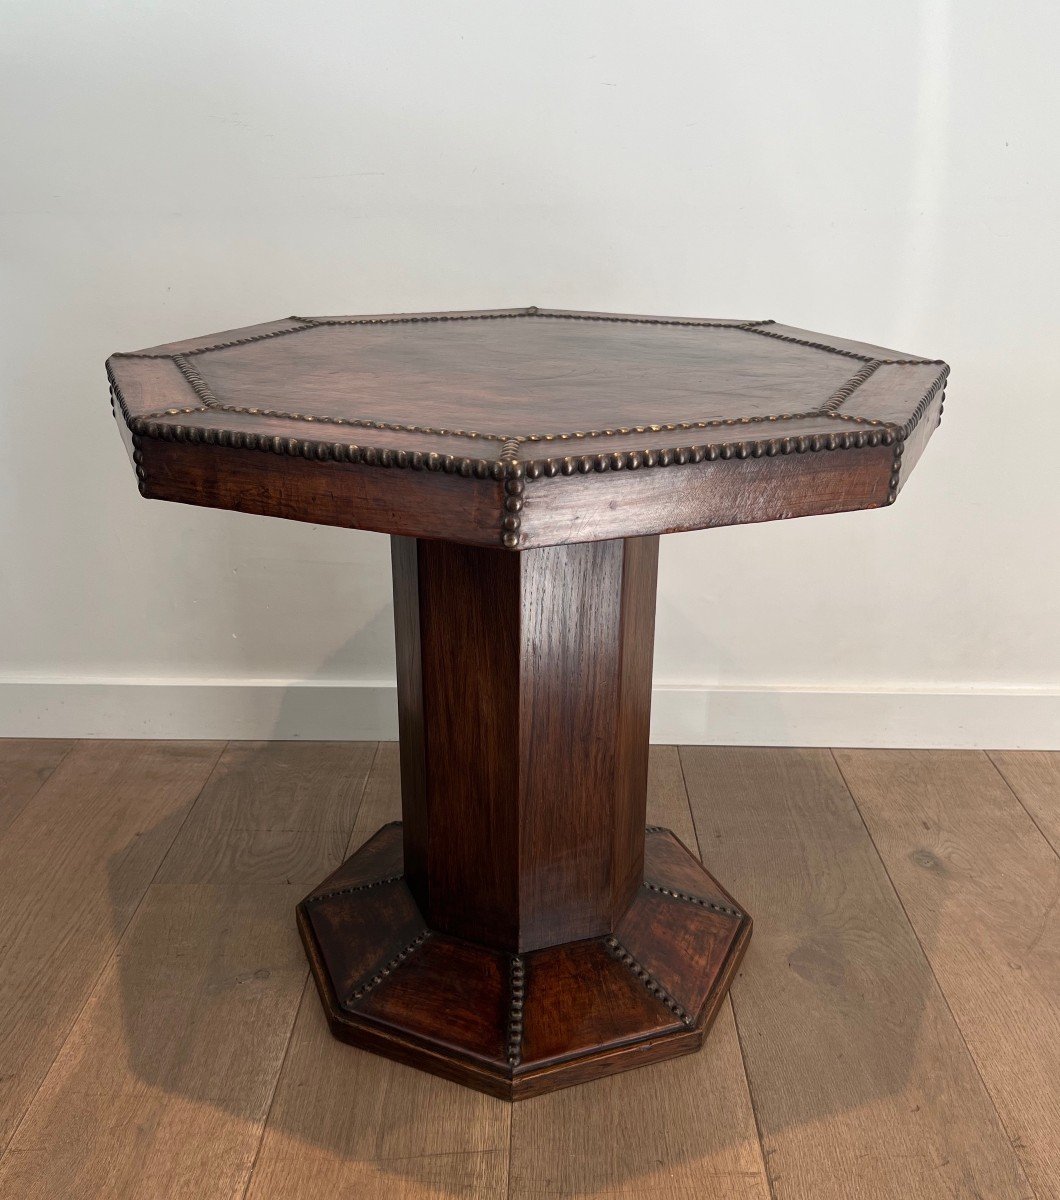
(521, 930)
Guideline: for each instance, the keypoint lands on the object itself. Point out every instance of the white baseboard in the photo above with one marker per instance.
(764, 716)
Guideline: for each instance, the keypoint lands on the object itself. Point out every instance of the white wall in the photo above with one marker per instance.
(884, 172)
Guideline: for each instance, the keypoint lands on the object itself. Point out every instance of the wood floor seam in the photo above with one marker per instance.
(1019, 800)
(730, 1001)
(1012, 1142)
(101, 974)
(41, 783)
(763, 1156)
(307, 991)
(892, 891)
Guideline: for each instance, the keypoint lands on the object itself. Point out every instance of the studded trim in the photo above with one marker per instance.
(618, 951)
(759, 328)
(196, 382)
(376, 979)
(349, 891)
(516, 1002)
(724, 909)
(859, 431)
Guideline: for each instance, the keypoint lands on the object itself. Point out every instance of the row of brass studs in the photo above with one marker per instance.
(516, 439)
(840, 395)
(117, 398)
(619, 951)
(707, 423)
(510, 442)
(243, 341)
(632, 460)
(517, 986)
(357, 887)
(684, 896)
(925, 402)
(616, 318)
(919, 412)
(196, 382)
(390, 967)
(756, 327)
(360, 423)
(896, 473)
(513, 502)
(416, 460)
(306, 323)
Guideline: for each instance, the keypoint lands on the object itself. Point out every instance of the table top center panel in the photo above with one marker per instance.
(517, 378)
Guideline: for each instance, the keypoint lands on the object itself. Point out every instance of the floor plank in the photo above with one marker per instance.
(1034, 775)
(347, 1123)
(74, 865)
(678, 1130)
(861, 1082)
(25, 764)
(274, 811)
(982, 888)
(163, 1087)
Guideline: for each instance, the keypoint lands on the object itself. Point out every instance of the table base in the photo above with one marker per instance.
(520, 1025)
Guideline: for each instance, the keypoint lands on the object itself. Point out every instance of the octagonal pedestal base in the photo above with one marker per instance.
(520, 1025)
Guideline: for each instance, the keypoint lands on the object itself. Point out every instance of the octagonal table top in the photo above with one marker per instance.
(525, 427)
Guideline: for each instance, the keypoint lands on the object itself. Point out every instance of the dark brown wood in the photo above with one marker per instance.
(524, 687)
(525, 427)
(520, 1024)
(517, 933)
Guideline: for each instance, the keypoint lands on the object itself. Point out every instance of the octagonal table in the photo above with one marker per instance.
(521, 930)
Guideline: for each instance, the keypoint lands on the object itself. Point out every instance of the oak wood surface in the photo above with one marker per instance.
(74, 865)
(348, 1123)
(981, 886)
(1034, 776)
(25, 765)
(164, 1083)
(861, 1081)
(861, 1085)
(273, 811)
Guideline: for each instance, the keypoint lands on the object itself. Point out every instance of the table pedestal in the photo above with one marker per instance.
(520, 930)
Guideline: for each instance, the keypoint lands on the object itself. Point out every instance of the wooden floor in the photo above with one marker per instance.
(894, 1030)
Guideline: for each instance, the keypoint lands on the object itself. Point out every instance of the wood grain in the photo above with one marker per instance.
(272, 811)
(1034, 775)
(296, 419)
(164, 1084)
(982, 889)
(348, 1123)
(862, 1085)
(177, 1052)
(516, 672)
(703, 495)
(861, 1081)
(681, 1130)
(73, 867)
(25, 765)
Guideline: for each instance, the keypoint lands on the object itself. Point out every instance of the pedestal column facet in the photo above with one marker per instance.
(524, 689)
